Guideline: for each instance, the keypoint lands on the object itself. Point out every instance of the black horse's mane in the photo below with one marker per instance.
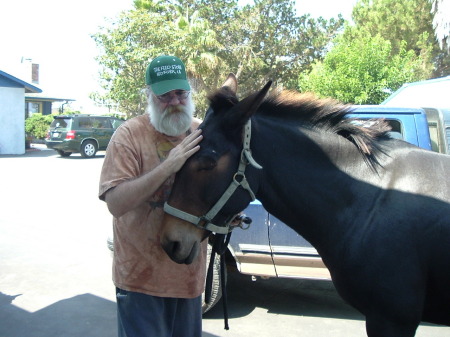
(307, 110)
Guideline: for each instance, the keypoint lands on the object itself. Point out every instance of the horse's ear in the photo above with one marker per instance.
(231, 83)
(248, 106)
(236, 118)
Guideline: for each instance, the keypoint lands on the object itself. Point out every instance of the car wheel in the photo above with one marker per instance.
(63, 154)
(216, 289)
(88, 149)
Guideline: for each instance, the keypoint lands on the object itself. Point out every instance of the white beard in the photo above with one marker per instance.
(174, 120)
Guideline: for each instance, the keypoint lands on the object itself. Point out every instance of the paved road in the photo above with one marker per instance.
(55, 269)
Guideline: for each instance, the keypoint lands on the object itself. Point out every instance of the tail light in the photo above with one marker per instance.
(70, 134)
(48, 135)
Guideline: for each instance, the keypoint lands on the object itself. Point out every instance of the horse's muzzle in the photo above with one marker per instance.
(179, 253)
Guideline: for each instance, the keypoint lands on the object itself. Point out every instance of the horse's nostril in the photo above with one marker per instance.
(174, 247)
(171, 247)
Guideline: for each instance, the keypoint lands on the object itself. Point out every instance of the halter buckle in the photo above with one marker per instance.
(203, 222)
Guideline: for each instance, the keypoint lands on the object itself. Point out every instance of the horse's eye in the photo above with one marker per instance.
(206, 163)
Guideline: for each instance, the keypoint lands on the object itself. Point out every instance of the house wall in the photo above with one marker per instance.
(12, 120)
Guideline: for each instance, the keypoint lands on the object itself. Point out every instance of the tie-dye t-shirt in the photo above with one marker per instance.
(140, 264)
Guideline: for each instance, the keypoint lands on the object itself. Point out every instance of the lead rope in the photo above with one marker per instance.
(222, 239)
(219, 247)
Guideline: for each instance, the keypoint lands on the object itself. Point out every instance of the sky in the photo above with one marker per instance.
(56, 34)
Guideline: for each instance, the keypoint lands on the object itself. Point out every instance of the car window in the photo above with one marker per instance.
(101, 123)
(116, 123)
(85, 123)
(63, 123)
(396, 128)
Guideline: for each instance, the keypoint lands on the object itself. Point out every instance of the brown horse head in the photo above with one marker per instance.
(206, 175)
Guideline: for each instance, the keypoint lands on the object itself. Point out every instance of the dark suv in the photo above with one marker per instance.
(85, 134)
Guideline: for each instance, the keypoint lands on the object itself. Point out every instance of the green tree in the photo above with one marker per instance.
(138, 36)
(126, 46)
(279, 44)
(213, 38)
(274, 44)
(406, 24)
(362, 70)
(201, 61)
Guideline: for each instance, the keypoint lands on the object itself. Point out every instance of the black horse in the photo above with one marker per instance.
(376, 209)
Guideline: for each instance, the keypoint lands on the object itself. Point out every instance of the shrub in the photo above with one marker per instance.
(37, 125)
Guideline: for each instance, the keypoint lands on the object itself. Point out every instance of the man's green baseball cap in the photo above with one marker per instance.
(166, 73)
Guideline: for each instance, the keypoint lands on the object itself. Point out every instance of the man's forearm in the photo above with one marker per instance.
(132, 193)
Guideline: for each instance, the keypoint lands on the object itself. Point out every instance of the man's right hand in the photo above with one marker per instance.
(180, 153)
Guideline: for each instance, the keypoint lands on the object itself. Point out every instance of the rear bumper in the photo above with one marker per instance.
(66, 146)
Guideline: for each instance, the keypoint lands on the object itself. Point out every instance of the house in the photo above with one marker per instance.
(12, 113)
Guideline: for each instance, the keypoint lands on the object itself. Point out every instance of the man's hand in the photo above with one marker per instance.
(180, 153)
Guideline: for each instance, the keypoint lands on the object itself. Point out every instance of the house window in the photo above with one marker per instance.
(34, 107)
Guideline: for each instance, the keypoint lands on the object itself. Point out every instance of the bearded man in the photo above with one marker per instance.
(155, 296)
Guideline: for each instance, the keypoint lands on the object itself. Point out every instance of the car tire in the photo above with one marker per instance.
(63, 154)
(216, 289)
(88, 149)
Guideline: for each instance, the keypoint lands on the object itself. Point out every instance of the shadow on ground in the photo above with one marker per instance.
(79, 316)
(283, 296)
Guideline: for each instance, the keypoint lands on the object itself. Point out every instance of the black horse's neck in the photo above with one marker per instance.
(303, 180)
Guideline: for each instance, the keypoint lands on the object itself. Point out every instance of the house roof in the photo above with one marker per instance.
(430, 93)
(8, 80)
(46, 98)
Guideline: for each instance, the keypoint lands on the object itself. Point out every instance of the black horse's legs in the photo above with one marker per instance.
(382, 327)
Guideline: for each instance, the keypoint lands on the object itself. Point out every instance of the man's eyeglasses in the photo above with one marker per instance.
(179, 94)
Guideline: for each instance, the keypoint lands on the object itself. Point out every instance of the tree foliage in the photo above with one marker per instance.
(213, 38)
(362, 70)
(400, 22)
(391, 43)
(276, 44)
(397, 21)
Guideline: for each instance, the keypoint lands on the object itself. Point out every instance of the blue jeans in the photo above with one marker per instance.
(141, 315)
